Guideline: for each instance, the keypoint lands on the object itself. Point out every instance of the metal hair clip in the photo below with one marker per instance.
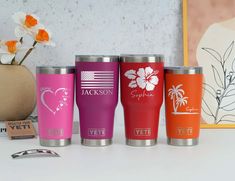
(35, 152)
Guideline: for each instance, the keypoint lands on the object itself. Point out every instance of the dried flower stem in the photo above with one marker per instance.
(27, 53)
(21, 40)
(12, 61)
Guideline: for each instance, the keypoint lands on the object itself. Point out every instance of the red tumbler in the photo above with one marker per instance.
(141, 97)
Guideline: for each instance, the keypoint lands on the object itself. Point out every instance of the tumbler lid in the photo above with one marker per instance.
(142, 58)
(183, 70)
(97, 58)
(55, 70)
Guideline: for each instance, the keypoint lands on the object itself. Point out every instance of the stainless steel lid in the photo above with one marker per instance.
(55, 70)
(97, 58)
(183, 70)
(142, 58)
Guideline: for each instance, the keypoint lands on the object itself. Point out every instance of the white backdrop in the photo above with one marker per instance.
(101, 27)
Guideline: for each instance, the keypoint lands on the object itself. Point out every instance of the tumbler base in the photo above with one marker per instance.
(96, 142)
(141, 143)
(182, 142)
(55, 143)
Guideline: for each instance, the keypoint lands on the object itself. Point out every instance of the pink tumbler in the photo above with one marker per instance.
(97, 97)
(55, 100)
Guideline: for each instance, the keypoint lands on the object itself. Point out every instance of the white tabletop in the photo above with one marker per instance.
(212, 159)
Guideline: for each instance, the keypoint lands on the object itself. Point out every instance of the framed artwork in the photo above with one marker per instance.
(208, 41)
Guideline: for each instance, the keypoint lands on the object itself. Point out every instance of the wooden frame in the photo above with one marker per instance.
(186, 58)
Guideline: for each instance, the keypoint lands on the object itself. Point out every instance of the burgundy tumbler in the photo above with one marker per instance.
(97, 97)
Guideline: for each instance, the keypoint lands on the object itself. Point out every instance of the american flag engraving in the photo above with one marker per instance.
(97, 79)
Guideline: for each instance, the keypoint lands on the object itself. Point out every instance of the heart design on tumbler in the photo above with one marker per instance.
(54, 101)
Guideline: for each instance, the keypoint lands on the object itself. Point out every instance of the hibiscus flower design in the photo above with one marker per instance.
(145, 78)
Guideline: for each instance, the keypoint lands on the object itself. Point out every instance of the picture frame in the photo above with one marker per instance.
(208, 41)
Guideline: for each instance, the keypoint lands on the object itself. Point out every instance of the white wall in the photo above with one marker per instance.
(101, 27)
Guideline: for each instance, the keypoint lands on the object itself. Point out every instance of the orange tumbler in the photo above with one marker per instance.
(183, 96)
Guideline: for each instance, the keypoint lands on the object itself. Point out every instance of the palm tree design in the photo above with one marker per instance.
(181, 101)
(176, 95)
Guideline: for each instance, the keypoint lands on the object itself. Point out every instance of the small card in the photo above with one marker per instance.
(21, 129)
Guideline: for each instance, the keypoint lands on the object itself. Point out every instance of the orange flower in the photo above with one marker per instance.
(27, 24)
(8, 50)
(30, 21)
(11, 46)
(42, 36)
